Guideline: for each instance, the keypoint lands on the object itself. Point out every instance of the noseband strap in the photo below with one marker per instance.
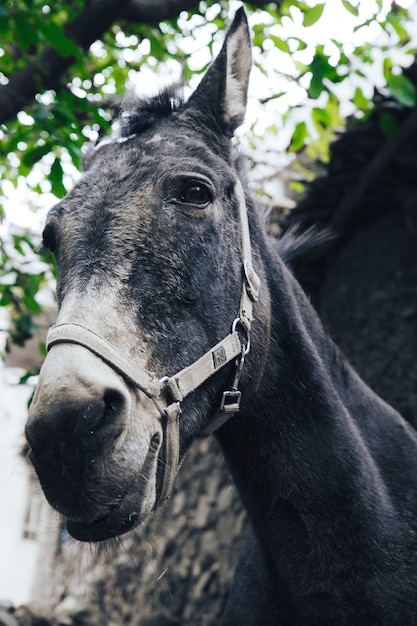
(180, 385)
(78, 334)
(187, 380)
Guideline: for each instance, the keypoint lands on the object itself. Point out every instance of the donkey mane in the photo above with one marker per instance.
(132, 116)
(300, 241)
(137, 115)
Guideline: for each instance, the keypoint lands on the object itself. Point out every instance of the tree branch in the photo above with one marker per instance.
(45, 71)
(148, 12)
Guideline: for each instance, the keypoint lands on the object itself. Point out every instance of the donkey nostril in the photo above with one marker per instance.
(35, 436)
(109, 422)
(87, 424)
(114, 406)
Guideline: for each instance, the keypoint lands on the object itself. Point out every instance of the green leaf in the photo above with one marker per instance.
(24, 379)
(281, 44)
(26, 34)
(299, 136)
(41, 113)
(332, 109)
(34, 155)
(350, 7)
(321, 119)
(321, 69)
(4, 19)
(75, 153)
(311, 16)
(31, 303)
(388, 125)
(301, 43)
(402, 89)
(387, 67)
(157, 48)
(17, 243)
(56, 37)
(360, 101)
(297, 186)
(55, 177)
(23, 328)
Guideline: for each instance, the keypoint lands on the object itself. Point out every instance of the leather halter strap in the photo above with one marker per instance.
(184, 382)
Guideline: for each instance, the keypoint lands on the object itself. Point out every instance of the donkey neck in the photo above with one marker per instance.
(307, 452)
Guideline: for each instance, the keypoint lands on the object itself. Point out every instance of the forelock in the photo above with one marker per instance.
(137, 115)
(133, 116)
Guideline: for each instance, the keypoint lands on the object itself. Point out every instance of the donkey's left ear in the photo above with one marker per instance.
(222, 94)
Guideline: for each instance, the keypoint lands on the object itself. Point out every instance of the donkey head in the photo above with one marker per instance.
(148, 251)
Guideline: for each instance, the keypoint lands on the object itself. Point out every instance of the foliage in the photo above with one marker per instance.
(308, 83)
(24, 271)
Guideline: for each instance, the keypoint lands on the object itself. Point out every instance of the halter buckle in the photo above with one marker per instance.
(229, 405)
(230, 402)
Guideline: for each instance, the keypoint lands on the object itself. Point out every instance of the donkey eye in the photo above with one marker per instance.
(197, 195)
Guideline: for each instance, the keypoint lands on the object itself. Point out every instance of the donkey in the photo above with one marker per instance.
(179, 318)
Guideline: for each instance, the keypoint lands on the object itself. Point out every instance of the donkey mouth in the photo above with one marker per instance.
(106, 527)
(130, 510)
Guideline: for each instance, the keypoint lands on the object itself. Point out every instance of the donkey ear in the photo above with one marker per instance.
(221, 96)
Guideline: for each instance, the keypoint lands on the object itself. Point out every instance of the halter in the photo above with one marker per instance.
(184, 382)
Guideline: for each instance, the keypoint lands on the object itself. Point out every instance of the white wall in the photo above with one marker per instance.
(17, 555)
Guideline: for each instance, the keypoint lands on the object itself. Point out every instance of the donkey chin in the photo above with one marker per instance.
(94, 445)
(103, 516)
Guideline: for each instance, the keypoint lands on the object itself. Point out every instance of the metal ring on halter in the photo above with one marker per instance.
(234, 326)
